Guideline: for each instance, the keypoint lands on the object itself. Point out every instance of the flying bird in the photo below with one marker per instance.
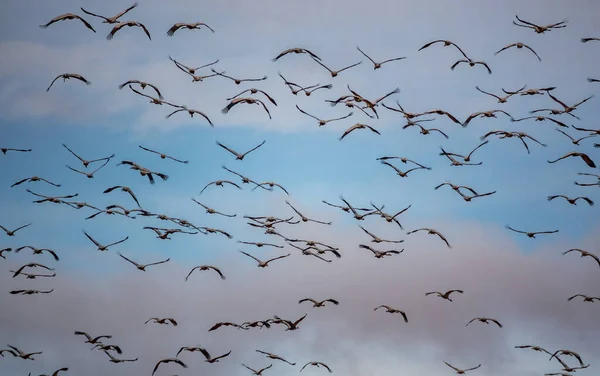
(431, 231)
(531, 234)
(120, 25)
(142, 85)
(586, 298)
(68, 16)
(519, 45)
(377, 65)
(89, 174)
(295, 50)
(259, 372)
(334, 73)
(393, 310)
(317, 304)
(142, 267)
(162, 321)
(219, 183)
(471, 63)
(358, 126)
(461, 371)
(90, 339)
(445, 295)
(126, 190)
(67, 76)
(240, 156)
(205, 267)
(538, 28)
(254, 91)
(485, 320)
(583, 156)
(584, 254)
(238, 80)
(264, 264)
(274, 357)
(247, 101)
(113, 19)
(168, 360)
(446, 44)
(104, 247)
(572, 201)
(209, 358)
(323, 122)
(316, 364)
(189, 26)
(12, 232)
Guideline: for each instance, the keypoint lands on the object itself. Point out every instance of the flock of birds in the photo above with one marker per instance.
(354, 101)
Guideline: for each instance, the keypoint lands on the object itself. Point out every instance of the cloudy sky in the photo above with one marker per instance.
(524, 283)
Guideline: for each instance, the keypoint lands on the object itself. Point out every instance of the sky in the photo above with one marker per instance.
(522, 282)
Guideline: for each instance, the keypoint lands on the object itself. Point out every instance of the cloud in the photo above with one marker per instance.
(524, 292)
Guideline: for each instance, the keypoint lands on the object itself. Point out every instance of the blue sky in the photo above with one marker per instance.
(99, 119)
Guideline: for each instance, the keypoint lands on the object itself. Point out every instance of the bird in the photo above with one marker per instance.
(323, 122)
(206, 267)
(126, 190)
(260, 245)
(311, 89)
(55, 373)
(500, 99)
(291, 325)
(583, 156)
(445, 295)
(39, 251)
(245, 100)
(317, 304)
(212, 211)
(189, 70)
(30, 292)
(540, 29)
(245, 180)
(584, 254)
(471, 63)
(103, 347)
(34, 179)
(89, 174)
(585, 40)
(68, 16)
(143, 267)
(274, 357)
(431, 231)
(163, 321)
(377, 239)
(90, 339)
(572, 201)
(377, 65)
(144, 171)
(461, 371)
(240, 156)
(519, 45)
(120, 25)
(334, 73)
(393, 310)
(259, 372)
(534, 348)
(12, 232)
(485, 320)
(238, 80)
(254, 91)
(573, 140)
(520, 135)
(531, 234)
(189, 26)
(191, 112)
(389, 218)
(168, 360)
(23, 355)
(316, 364)
(114, 19)
(470, 198)
(380, 254)
(271, 184)
(31, 265)
(104, 247)
(593, 79)
(163, 233)
(543, 118)
(358, 126)
(303, 217)
(295, 50)
(209, 358)
(264, 264)
(485, 114)
(3, 251)
(219, 183)
(586, 298)
(143, 86)
(156, 101)
(401, 173)
(67, 76)
(115, 360)
(466, 158)
(4, 150)
(446, 44)
(575, 355)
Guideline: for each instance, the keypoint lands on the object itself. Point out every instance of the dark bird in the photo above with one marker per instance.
(192, 71)
(226, 323)
(540, 29)
(55, 373)
(358, 126)
(39, 251)
(103, 347)
(104, 247)
(169, 360)
(274, 357)
(4, 150)
(219, 183)
(583, 156)
(472, 63)
(445, 295)
(400, 172)
(380, 254)
(213, 211)
(585, 40)
(520, 135)
(31, 265)
(466, 158)
(377, 239)
(156, 101)
(534, 348)
(295, 50)
(23, 355)
(317, 304)
(485, 320)
(519, 45)
(316, 364)
(3, 251)
(264, 264)
(291, 325)
(573, 140)
(260, 371)
(30, 292)
(162, 321)
(144, 171)
(89, 174)
(543, 118)
(303, 217)
(142, 267)
(68, 16)
(245, 180)
(209, 358)
(461, 371)
(205, 267)
(245, 100)
(501, 99)
(586, 298)
(575, 355)
(12, 233)
(389, 309)
(189, 26)
(254, 91)
(120, 25)
(272, 184)
(334, 73)
(584, 254)
(377, 65)
(126, 190)
(531, 234)
(446, 44)
(67, 76)
(572, 201)
(191, 112)
(115, 360)
(34, 179)
(240, 156)
(142, 85)
(238, 80)
(485, 114)
(323, 122)
(114, 19)
(431, 231)
(90, 339)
